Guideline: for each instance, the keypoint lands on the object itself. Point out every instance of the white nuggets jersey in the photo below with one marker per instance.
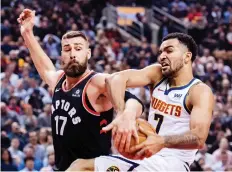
(170, 116)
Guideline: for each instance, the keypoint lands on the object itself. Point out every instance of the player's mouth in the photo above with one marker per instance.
(73, 65)
(164, 65)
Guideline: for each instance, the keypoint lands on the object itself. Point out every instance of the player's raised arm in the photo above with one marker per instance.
(117, 83)
(42, 62)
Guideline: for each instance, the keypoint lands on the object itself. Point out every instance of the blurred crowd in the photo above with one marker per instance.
(26, 142)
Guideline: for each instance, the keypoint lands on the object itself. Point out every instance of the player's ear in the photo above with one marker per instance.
(188, 57)
(89, 53)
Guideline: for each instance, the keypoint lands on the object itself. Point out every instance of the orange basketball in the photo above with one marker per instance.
(146, 126)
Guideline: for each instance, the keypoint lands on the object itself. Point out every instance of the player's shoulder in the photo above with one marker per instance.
(201, 87)
(98, 77)
(200, 90)
(154, 71)
(156, 67)
(98, 80)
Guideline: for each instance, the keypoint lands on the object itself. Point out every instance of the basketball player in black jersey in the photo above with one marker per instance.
(80, 106)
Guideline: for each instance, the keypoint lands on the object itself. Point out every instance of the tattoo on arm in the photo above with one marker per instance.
(185, 141)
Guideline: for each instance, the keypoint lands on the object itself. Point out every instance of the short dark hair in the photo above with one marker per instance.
(28, 159)
(186, 40)
(73, 34)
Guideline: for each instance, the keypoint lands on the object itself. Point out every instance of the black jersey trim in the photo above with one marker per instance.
(88, 109)
(79, 81)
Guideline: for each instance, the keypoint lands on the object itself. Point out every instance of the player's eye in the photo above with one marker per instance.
(78, 48)
(169, 51)
(66, 49)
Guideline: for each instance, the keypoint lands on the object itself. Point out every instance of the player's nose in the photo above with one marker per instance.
(72, 52)
(72, 57)
(162, 57)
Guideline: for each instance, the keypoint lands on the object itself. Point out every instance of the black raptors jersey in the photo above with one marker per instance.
(76, 127)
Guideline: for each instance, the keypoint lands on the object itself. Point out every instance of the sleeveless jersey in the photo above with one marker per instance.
(76, 127)
(170, 116)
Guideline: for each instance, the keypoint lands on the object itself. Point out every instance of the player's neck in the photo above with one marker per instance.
(182, 77)
(70, 81)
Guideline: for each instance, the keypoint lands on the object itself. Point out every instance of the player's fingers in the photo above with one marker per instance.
(117, 140)
(21, 16)
(114, 132)
(136, 136)
(27, 10)
(123, 141)
(128, 155)
(140, 154)
(108, 127)
(33, 12)
(147, 133)
(128, 141)
(136, 147)
(148, 153)
(19, 20)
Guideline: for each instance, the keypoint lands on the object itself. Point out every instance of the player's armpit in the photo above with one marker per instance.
(53, 78)
(202, 101)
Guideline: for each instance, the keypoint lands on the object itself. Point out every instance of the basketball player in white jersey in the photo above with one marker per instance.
(180, 110)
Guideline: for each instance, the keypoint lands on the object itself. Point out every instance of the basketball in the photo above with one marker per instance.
(146, 126)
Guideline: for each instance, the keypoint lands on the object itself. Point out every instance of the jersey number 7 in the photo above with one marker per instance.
(160, 119)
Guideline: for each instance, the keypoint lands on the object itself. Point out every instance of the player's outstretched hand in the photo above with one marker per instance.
(123, 128)
(153, 144)
(26, 20)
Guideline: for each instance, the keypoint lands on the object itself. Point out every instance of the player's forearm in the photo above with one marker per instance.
(134, 108)
(41, 61)
(116, 86)
(185, 141)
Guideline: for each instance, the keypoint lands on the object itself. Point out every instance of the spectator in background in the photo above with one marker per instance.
(29, 165)
(18, 132)
(38, 149)
(29, 152)
(43, 137)
(7, 117)
(164, 30)
(179, 8)
(51, 163)
(6, 161)
(52, 43)
(14, 149)
(205, 160)
(223, 154)
(19, 91)
(88, 32)
(44, 119)
(13, 105)
(5, 141)
(10, 75)
(29, 119)
(35, 100)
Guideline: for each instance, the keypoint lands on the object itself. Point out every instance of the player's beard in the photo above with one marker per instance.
(75, 69)
(171, 71)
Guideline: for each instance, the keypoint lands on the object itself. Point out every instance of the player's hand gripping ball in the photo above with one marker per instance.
(146, 126)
